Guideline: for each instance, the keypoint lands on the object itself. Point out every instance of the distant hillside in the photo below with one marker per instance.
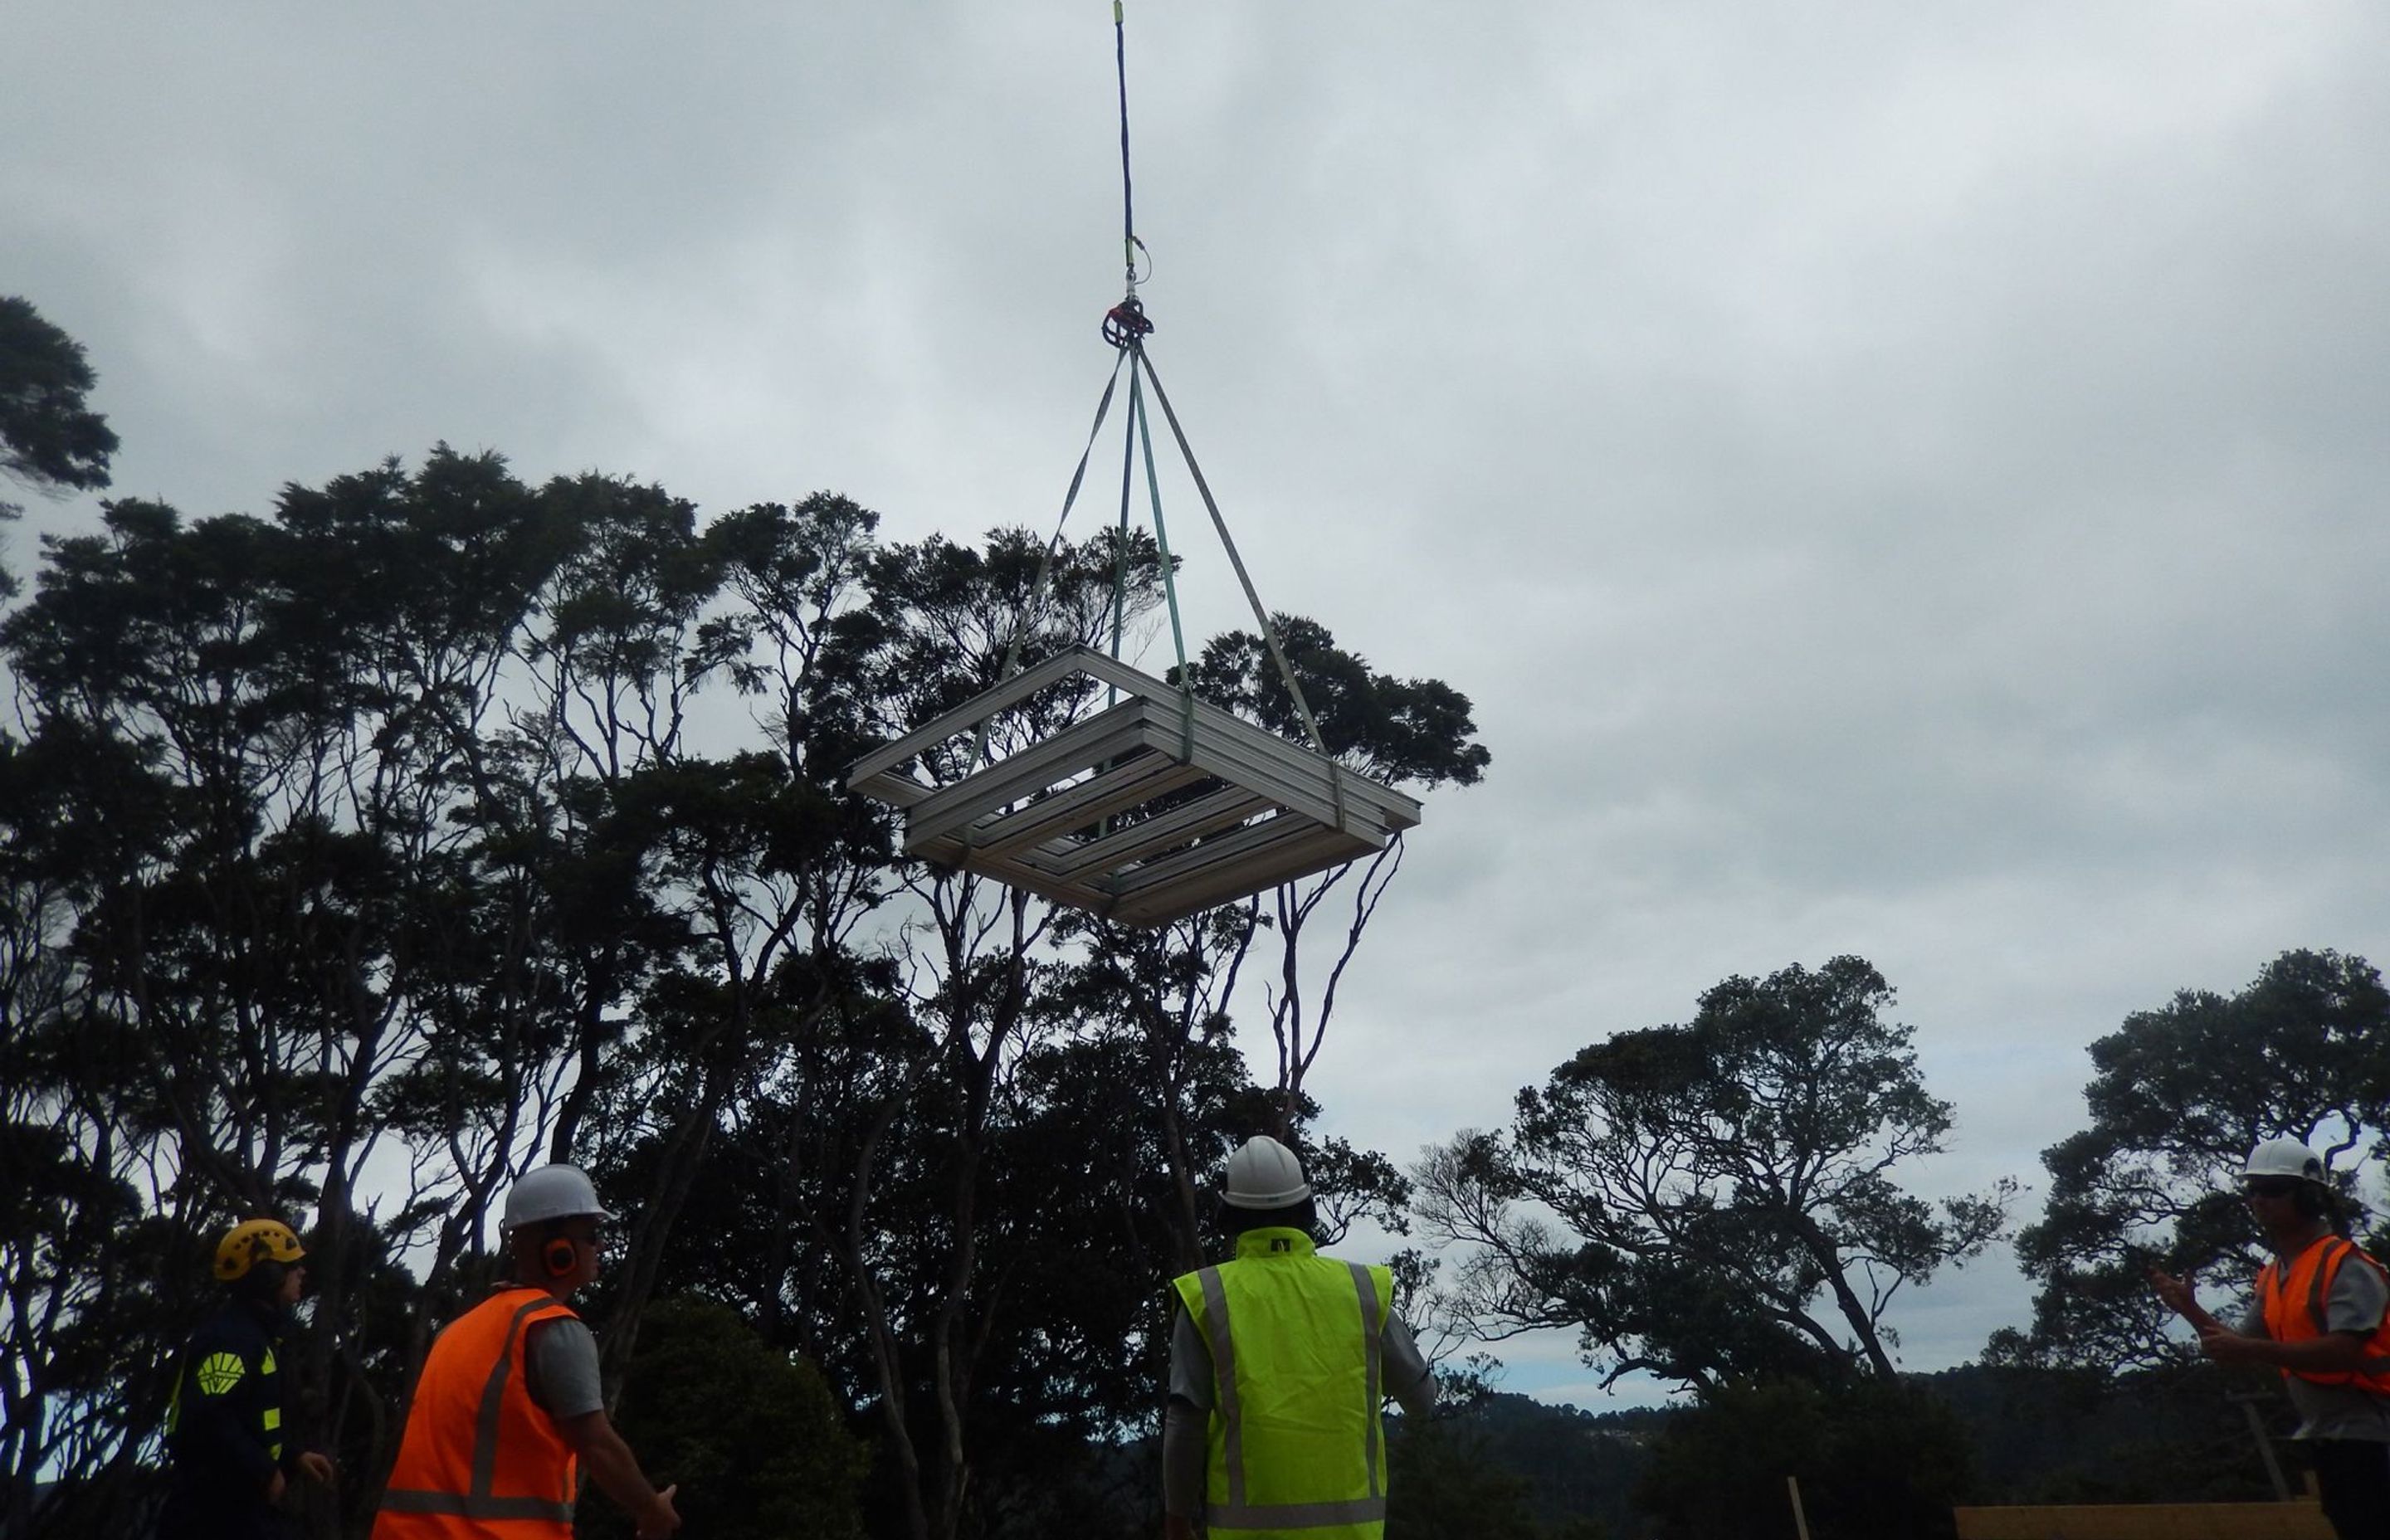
(2037, 1436)
(1571, 1465)
(2044, 1436)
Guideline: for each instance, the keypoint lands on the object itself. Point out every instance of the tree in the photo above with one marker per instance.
(751, 1436)
(358, 856)
(1727, 1189)
(48, 437)
(259, 735)
(2178, 1096)
(1442, 1486)
(1402, 732)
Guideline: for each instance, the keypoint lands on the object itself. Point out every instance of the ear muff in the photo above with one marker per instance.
(560, 1257)
(2310, 1201)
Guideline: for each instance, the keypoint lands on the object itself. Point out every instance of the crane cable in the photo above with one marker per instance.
(1132, 325)
(1126, 326)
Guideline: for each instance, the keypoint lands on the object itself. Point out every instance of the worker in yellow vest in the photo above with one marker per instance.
(508, 1406)
(2322, 1315)
(1279, 1362)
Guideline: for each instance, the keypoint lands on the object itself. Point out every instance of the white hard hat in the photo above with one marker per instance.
(551, 1192)
(2284, 1158)
(1264, 1174)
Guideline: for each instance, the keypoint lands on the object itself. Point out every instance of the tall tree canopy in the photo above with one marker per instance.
(359, 856)
(49, 436)
(1725, 1191)
(48, 432)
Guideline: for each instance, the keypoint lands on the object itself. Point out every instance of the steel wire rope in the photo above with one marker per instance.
(1126, 326)
(1229, 543)
(1022, 621)
(1133, 330)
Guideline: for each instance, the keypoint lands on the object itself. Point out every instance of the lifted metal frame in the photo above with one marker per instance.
(1150, 810)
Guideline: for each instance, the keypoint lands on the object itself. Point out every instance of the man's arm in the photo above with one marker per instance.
(560, 1361)
(616, 1470)
(1186, 1429)
(2352, 1311)
(2331, 1352)
(1186, 1449)
(1409, 1380)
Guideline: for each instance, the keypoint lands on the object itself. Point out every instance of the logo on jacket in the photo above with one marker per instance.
(220, 1373)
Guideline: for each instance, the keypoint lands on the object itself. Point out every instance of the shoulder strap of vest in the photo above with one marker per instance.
(2335, 1252)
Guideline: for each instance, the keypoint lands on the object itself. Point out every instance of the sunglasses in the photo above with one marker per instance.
(2270, 1187)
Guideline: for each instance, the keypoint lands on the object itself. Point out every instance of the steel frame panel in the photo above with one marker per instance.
(1042, 817)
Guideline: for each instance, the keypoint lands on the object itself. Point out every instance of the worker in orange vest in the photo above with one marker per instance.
(509, 1407)
(2322, 1315)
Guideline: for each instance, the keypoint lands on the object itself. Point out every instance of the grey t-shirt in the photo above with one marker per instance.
(2358, 1299)
(560, 1369)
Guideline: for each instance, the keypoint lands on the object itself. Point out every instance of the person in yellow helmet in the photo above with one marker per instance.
(1280, 1361)
(231, 1456)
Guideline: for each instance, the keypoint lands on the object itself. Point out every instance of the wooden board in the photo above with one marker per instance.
(1154, 808)
(2294, 1520)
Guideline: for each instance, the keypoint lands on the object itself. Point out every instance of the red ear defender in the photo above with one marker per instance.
(560, 1257)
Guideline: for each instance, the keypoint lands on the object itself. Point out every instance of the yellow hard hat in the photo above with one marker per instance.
(253, 1241)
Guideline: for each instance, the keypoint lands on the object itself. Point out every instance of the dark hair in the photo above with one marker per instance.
(2318, 1201)
(262, 1283)
(1304, 1216)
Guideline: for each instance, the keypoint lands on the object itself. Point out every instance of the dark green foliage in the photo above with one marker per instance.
(1441, 1485)
(2014, 1434)
(752, 1437)
(1536, 1471)
(1881, 1458)
(1400, 730)
(49, 438)
(359, 856)
(48, 434)
(2178, 1096)
(1727, 1188)
(2077, 1436)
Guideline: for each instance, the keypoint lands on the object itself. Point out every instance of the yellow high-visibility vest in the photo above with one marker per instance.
(1296, 1446)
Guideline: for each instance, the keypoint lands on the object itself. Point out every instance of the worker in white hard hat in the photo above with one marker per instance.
(2321, 1316)
(1279, 1363)
(508, 1406)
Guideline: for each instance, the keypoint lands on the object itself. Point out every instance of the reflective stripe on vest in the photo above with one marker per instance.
(463, 1505)
(421, 1498)
(1304, 1325)
(2310, 1284)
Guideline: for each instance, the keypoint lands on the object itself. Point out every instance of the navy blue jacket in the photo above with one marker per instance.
(223, 1428)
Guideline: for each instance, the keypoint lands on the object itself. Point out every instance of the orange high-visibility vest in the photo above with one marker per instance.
(480, 1461)
(2294, 1306)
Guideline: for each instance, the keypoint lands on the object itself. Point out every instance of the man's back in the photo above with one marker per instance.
(1294, 1341)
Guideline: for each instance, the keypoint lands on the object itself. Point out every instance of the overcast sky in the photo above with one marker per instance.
(1894, 478)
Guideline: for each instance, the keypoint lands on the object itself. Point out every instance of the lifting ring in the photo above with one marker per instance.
(1127, 325)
